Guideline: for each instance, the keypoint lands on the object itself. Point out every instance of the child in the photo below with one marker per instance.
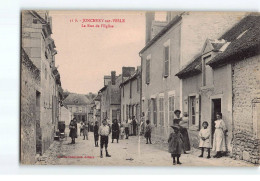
(122, 131)
(175, 144)
(81, 128)
(204, 135)
(104, 132)
(96, 134)
(85, 131)
(148, 131)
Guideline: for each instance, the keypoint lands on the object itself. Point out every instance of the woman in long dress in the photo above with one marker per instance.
(183, 131)
(73, 130)
(115, 131)
(219, 142)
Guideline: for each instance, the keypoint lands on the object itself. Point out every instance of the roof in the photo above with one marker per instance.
(102, 89)
(248, 31)
(173, 22)
(76, 99)
(132, 77)
(244, 40)
(193, 68)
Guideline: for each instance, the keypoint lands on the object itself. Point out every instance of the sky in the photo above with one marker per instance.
(86, 54)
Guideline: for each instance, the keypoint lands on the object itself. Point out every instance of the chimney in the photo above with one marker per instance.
(149, 17)
(113, 77)
(127, 71)
(107, 79)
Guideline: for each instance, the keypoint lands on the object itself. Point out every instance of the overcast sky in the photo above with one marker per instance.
(85, 55)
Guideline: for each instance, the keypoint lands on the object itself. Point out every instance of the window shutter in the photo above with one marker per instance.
(185, 106)
(166, 61)
(147, 71)
(197, 108)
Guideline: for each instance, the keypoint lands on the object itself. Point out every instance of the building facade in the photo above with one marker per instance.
(40, 49)
(218, 80)
(79, 106)
(130, 96)
(166, 53)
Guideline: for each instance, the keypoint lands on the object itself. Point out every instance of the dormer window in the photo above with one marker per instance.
(207, 72)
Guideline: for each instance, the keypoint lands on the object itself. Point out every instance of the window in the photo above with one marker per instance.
(127, 112)
(123, 90)
(154, 111)
(114, 114)
(207, 72)
(149, 109)
(148, 70)
(161, 110)
(171, 109)
(192, 110)
(77, 109)
(166, 61)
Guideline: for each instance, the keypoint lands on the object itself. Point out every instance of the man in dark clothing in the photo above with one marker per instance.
(134, 126)
(96, 134)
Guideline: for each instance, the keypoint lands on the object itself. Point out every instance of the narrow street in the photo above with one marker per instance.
(131, 152)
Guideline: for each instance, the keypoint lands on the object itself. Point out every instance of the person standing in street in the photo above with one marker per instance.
(126, 129)
(134, 126)
(179, 121)
(219, 141)
(96, 134)
(104, 132)
(175, 142)
(148, 132)
(73, 130)
(85, 131)
(115, 131)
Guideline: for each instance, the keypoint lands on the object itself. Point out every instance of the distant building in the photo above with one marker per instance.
(130, 96)
(110, 100)
(38, 52)
(166, 53)
(65, 115)
(224, 78)
(79, 106)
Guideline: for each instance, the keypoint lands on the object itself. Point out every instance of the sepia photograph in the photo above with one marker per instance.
(139, 88)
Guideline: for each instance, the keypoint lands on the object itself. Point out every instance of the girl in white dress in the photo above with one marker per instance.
(204, 135)
(219, 142)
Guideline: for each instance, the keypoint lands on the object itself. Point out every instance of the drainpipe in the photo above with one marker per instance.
(141, 87)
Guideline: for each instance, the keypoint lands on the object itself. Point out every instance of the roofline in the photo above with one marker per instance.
(173, 22)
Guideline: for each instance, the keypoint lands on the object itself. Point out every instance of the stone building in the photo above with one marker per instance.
(79, 106)
(130, 96)
(166, 53)
(224, 77)
(30, 87)
(40, 49)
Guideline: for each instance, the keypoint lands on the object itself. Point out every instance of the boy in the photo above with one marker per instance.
(148, 131)
(104, 131)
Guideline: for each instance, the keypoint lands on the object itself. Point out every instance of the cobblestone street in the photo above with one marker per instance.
(131, 152)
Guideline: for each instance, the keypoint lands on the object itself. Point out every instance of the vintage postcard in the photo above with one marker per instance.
(140, 88)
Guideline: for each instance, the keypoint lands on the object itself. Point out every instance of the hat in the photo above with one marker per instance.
(177, 111)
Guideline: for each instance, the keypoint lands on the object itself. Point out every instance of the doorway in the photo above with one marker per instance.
(38, 124)
(216, 107)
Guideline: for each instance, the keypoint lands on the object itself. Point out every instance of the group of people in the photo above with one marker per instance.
(178, 141)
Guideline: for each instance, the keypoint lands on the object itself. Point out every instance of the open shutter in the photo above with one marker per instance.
(197, 107)
(185, 106)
